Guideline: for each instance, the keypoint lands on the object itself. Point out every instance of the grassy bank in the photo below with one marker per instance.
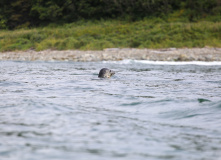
(114, 34)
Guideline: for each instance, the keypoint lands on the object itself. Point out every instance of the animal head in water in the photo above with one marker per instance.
(105, 73)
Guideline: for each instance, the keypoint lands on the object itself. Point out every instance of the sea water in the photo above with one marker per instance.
(146, 111)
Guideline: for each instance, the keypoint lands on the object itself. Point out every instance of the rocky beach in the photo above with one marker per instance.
(116, 54)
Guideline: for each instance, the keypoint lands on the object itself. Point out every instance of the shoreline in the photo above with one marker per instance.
(116, 54)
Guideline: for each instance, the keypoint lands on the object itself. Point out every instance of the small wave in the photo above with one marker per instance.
(201, 100)
(128, 61)
(179, 63)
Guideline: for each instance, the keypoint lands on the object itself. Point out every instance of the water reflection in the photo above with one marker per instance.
(61, 110)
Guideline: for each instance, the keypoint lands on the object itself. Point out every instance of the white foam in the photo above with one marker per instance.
(179, 63)
(126, 61)
(166, 62)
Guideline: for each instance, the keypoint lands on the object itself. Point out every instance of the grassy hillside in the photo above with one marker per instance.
(87, 35)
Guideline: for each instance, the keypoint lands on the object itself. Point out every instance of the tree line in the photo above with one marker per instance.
(29, 13)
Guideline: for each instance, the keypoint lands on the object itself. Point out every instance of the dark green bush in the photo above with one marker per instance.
(28, 13)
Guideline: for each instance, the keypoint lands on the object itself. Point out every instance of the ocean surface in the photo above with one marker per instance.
(146, 111)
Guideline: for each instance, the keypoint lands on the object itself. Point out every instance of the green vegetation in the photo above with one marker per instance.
(97, 35)
(30, 13)
(99, 24)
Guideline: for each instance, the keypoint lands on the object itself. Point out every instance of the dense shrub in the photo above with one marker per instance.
(27, 13)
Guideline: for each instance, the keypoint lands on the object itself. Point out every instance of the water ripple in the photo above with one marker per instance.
(62, 110)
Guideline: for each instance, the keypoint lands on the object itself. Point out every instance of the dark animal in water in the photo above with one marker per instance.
(105, 73)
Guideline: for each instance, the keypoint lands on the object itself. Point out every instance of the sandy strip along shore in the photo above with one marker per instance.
(116, 54)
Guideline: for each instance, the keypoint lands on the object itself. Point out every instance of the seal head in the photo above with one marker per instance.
(105, 73)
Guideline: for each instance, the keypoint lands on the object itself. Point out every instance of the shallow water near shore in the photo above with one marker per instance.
(146, 111)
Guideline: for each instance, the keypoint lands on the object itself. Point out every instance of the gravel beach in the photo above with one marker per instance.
(117, 54)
